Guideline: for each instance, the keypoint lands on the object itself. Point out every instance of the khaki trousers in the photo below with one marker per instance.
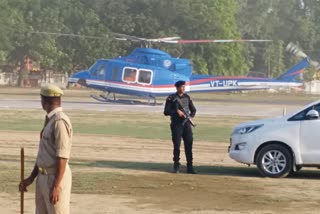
(44, 186)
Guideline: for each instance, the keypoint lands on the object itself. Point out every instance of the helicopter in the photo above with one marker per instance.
(151, 73)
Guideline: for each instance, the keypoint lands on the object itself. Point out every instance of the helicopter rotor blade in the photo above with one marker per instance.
(120, 36)
(165, 39)
(70, 35)
(214, 41)
(124, 37)
(171, 40)
(168, 40)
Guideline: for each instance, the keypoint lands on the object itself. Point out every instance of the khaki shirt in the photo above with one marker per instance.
(56, 139)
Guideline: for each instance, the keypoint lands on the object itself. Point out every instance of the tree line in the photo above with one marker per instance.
(278, 20)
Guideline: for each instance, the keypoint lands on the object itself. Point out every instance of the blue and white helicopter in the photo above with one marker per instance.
(152, 73)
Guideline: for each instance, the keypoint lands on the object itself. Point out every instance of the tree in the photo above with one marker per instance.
(189, 19)
(283, 22)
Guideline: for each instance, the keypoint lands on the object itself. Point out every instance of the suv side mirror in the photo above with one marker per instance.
(312, 115)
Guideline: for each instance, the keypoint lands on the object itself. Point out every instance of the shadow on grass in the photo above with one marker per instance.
(201, 170)
(306, 174)
(166, 167)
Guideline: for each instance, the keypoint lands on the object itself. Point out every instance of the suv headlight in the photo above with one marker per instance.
(247, 129)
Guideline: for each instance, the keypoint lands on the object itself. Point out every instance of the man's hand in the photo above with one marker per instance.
(24, 184)
(55, 191)
(54, 196)
(180, 113)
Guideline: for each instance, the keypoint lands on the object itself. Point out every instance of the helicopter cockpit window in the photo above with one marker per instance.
(130, 75)
(145, 76)
(101, 71)
(92, 66)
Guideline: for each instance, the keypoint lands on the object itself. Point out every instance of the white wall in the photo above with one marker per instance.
(312, 87)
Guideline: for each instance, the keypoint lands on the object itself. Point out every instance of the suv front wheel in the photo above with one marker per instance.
(274, 161)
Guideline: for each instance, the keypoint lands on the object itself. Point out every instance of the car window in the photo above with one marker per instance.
(317, 108)
(301, 115)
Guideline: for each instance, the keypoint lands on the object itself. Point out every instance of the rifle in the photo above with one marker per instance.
(188, 118)
(22, 178)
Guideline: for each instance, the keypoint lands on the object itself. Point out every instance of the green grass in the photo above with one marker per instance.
(84, 95)
(136, 125)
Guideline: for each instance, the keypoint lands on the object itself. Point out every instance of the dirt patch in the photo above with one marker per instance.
(95, 148)
(128, 175)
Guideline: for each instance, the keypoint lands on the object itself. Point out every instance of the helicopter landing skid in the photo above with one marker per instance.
(100, 99)
(154, 101)
(104, 99)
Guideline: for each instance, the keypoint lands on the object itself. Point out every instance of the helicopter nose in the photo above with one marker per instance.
(79, 75)
(82, 74)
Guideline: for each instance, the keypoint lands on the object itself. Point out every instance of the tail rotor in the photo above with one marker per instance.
(297, 51)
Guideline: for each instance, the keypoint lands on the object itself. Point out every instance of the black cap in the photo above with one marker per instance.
(179, 83)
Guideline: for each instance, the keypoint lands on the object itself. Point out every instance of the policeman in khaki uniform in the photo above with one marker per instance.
(54, 179)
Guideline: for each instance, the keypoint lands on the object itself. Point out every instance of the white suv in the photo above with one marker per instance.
(281, 145)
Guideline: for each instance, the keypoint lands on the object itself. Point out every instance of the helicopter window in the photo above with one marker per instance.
(142, 60)
(92, 66)
(101, 71)
(129, 75)
(98, 71)
(145, 76)
(114, 73)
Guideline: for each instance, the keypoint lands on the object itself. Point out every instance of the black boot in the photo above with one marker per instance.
(190, 169)
(176, 167)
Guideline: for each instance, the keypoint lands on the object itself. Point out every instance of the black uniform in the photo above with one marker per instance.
(178, 130)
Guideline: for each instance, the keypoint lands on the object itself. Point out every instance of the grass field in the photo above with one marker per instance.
(129, 124)
(150, 188)
(128, 156)
(217, 188)
(84, 94)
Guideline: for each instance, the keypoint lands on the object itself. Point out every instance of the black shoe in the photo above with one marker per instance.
(190, 170)
(176, 167)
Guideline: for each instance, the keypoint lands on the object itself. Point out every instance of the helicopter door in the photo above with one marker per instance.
(115, 72)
